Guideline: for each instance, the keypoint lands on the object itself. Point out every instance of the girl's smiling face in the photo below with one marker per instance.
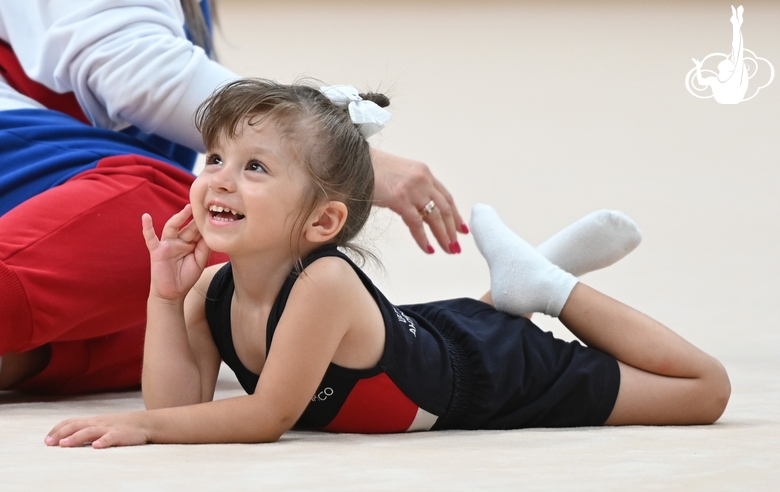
(249, 195)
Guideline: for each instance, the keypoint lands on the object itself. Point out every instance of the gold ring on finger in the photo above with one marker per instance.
(427, 209)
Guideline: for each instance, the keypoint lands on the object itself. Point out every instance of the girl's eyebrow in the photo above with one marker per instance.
(277, 157)
(259, 149)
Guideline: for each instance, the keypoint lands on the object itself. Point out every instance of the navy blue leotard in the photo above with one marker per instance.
(458, 363)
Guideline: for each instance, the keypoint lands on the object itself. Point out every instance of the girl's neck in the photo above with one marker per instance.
(259, 278)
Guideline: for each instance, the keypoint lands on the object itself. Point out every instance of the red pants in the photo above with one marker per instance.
(74, 272)
(74, 268)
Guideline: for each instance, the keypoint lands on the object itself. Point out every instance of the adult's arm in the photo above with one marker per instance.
(128, 63)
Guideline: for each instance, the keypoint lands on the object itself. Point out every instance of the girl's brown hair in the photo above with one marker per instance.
(333, 152)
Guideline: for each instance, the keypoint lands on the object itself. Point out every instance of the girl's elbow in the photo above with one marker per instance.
(272, 429)
(269, 436)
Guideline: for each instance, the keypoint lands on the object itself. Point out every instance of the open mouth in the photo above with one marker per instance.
(224, 214)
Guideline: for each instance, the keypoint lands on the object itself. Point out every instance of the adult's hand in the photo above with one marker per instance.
(408, 187)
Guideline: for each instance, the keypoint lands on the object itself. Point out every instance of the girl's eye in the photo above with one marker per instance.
(256, 166)
(213, 159)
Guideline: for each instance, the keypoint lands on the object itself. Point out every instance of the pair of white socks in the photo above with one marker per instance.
(524, 280)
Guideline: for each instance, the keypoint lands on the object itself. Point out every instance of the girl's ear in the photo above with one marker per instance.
(325, 222)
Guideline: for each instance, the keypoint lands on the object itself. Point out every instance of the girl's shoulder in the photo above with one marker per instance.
(330, 303)
(334, 284)
(329, 275)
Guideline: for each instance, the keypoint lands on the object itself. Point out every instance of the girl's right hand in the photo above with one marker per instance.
(103, 431)
(178, 257)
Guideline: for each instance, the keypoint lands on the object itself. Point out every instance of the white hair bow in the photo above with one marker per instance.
(369, 117)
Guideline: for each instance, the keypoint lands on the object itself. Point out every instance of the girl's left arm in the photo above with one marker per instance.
(320, 311)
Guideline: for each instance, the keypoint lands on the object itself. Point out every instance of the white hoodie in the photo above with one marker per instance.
(127, 61)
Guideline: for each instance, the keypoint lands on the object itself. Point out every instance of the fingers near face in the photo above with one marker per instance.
(189, 232)
(173, 225)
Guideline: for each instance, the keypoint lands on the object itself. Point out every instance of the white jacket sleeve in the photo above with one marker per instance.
(127, 62)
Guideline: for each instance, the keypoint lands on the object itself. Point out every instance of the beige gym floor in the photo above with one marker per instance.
(546, 111)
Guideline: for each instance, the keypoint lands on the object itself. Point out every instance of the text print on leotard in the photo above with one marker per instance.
(406, 319)
(323, 395)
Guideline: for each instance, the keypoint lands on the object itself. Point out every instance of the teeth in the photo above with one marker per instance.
(218, 209)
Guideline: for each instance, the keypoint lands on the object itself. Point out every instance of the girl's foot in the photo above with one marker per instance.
(522, 281)
(595, 241)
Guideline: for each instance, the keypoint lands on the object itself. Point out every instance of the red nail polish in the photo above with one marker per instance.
(454, 247)
(464, 228)
(430, 250)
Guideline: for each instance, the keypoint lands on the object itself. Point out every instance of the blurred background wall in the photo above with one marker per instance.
(548, 111)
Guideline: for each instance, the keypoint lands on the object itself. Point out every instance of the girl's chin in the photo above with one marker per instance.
(216, 246)
(217, 242)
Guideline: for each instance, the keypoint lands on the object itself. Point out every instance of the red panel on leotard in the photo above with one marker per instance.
(375, 405)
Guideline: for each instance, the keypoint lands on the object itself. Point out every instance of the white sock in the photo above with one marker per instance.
(522, 280)
(593, 242)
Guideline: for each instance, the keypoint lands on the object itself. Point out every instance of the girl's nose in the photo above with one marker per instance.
(222, 180)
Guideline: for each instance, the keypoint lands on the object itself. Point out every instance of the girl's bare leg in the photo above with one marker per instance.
(664, 379)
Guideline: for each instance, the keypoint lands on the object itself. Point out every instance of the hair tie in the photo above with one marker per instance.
(369, 117)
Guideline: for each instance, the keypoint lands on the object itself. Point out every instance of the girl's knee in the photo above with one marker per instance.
(718, 392)
(651, 399)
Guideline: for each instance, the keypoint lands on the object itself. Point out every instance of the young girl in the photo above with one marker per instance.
(288, 180)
